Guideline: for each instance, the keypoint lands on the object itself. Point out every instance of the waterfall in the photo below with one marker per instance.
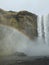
(46, 28)
(39, 26)
(43, 28)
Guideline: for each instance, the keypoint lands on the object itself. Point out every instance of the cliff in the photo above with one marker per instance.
(24, 21)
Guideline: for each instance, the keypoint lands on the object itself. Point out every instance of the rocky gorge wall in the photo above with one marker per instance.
(24, 21)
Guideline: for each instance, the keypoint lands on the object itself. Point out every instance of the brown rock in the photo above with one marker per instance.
(24, 21)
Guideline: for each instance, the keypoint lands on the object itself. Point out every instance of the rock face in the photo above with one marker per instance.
(24, 21)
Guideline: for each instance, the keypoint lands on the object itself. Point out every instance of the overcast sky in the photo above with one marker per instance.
(35, 6)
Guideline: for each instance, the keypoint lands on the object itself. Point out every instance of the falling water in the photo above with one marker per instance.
(40, 29)
(39, 26)
(43, 28)
(46, 28)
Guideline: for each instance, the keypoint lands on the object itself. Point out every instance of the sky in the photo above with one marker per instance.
(38, 7)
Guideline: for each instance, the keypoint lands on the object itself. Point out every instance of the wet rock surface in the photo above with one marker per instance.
(25, 60)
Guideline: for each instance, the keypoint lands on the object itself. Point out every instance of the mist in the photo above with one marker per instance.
(12, 41)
